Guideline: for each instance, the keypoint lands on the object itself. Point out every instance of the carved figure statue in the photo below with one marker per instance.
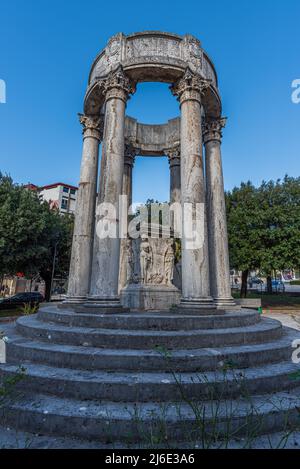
(145, 258)
(169, 262)
(130, 262)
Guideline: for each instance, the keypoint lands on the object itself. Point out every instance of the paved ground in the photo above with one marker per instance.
(288, 318)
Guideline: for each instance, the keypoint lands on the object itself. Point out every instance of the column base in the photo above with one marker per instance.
(74, 300)
(226, 303)
(103, 305)
(196, 306)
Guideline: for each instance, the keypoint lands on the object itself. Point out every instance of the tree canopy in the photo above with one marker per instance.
(29, 232)
(264, 226)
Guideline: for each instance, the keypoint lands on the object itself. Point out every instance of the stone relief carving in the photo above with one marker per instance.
(169, 263)
(129, 262)
(166, 53)
(194, 53)
(150, 261)
(111, 56)
(152, 46)
(145, 259)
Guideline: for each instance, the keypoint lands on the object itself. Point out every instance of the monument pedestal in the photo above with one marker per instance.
(150, 297)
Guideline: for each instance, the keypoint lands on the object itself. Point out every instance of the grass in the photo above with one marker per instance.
(25, 310)
(215, 421)
(275, 301)
(9, 313)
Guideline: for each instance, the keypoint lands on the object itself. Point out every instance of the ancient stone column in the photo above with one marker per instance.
(106, 256)
(216, 213)
(130, 153)
(81, 258)
(173, 155)
(195, 263)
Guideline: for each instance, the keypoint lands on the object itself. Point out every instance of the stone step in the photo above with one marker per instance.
(18, 439)
(146, 386)
(152, 422)
(264, 331)
(148, 321)
(19, 349)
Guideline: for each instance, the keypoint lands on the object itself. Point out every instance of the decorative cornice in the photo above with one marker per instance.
(212, 129)
(190, 87)
(93, 126)
(118, 85)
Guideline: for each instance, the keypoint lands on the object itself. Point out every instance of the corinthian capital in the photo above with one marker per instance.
(130, 152)
(212, 129)
(173, 155)
(118, 85)
(92, 125)
(190, 87)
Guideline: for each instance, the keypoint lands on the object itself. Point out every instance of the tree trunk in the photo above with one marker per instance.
(1, 282)
(269, 285)
(244, 286)
(47, 276)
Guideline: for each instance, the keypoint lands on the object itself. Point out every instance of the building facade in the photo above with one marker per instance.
(59, 195)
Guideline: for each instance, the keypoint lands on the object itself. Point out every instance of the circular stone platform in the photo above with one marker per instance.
(118, 377)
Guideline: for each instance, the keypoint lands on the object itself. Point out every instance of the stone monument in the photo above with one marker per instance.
(128, 60)
(96, 371)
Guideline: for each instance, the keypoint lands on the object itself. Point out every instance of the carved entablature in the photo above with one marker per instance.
(109, 59)
(152, 56)
(93, 126)
(212, 129)
(194, 53)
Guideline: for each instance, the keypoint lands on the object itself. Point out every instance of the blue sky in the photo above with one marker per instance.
(47, 47)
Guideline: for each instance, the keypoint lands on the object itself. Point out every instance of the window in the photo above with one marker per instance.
(73, 191)
(64, 204)
(66, 189)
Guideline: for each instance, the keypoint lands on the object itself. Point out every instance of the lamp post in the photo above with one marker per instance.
(53, 267)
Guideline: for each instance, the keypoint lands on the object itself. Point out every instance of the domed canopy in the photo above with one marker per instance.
(153, 56)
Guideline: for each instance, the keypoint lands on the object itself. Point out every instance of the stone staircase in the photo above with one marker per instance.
(151, 377)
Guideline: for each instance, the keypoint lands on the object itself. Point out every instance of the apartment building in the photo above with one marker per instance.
(59, 195)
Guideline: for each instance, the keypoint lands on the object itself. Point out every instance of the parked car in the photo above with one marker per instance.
(20, 299)
(255, 281)
(278, 285)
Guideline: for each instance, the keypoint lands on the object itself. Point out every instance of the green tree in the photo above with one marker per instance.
(59, 243)
(264, 228)
(29, 231)
(243, 219)
(279, 230)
